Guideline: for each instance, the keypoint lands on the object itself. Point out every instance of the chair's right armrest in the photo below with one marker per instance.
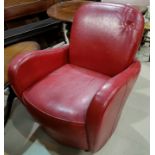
(106, 106)
(28, 68)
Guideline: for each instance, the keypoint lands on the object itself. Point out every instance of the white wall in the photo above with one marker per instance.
(135, 2)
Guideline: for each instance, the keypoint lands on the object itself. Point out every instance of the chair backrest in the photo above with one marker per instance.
(105, 37)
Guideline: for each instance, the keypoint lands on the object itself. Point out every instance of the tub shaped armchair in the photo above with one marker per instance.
(77, 92)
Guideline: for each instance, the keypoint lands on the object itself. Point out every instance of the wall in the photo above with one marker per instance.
(135, 2)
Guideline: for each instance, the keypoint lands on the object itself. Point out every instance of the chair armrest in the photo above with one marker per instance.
(105, 109)
(28, 68)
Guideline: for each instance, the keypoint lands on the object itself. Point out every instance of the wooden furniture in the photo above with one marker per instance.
(14, 9)
(65, 11)
(35, 29)
(11, 51)
(27, 20)
(22, 12)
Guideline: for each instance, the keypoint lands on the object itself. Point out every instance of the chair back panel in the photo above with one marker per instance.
(105, 37)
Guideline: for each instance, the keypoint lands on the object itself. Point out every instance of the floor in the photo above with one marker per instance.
(25, 137)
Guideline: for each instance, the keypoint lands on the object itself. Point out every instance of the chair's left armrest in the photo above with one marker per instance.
(28, 68)
(105, 109)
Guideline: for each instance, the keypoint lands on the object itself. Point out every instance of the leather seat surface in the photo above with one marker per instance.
(65, 93)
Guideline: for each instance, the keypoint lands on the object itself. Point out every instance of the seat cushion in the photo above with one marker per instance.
(66, 93)
(59, 103)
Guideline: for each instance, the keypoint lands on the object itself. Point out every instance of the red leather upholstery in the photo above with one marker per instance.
(107, 106)
(71, 107)
(115, 35)
(80, 85)
(77, 92)
(23, 67)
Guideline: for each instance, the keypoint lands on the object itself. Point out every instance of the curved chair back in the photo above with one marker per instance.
(105, 38)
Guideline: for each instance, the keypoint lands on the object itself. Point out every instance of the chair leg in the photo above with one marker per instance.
(8, 107)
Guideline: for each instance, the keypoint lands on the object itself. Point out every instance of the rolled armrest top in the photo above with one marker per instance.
(28, 68)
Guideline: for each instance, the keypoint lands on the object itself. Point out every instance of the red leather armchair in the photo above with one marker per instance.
(77, 92)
